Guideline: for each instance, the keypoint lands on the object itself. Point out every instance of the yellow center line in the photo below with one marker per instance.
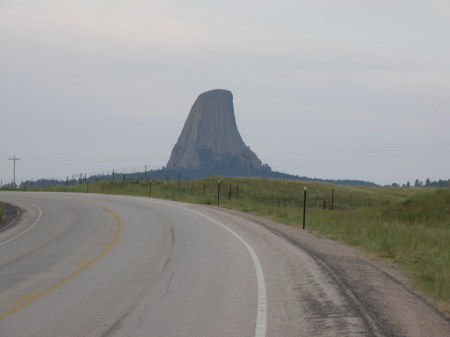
(23, 298)
(82, 263)
(76, 272)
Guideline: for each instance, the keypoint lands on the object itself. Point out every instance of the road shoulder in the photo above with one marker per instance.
(386, 295)
(25, 220)
(11, 217)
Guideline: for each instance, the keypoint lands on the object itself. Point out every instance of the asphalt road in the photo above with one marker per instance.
(98, 265)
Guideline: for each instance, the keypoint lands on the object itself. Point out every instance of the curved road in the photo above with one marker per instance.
(99, 265)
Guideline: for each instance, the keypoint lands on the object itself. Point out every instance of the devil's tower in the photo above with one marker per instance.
(210, 138)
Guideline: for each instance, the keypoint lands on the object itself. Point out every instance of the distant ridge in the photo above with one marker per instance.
(183, 174)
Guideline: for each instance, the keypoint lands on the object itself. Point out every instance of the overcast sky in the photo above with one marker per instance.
(322, 88)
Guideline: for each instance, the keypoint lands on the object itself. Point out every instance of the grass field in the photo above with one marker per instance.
(2, 210)
(408, 228)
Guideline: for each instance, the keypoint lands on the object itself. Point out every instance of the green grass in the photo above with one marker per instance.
(2, 210)
(408, 228)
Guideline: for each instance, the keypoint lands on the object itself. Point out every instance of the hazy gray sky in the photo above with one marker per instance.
(323, 88)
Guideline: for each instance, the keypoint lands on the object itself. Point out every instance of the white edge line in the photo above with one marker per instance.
(26, 230)
(261, 318)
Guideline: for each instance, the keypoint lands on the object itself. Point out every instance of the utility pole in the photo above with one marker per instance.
(247, 158)
(14, 169)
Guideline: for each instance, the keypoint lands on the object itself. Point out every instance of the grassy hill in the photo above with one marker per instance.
(408, 228)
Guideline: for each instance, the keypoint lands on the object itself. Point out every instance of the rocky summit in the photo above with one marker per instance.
(210, 138)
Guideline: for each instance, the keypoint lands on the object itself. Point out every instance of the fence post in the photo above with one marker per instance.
(218, 192)
(304, 206)
(332, 198)
(150, 190)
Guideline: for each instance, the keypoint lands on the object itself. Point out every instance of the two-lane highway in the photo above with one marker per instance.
(99, 265)
(118, 266)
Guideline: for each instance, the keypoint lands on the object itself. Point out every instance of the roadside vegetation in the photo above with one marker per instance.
(407, 228)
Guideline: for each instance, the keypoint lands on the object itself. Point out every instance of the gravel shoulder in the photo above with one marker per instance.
(388, 300)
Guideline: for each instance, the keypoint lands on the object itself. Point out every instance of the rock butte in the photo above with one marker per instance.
(210, 138)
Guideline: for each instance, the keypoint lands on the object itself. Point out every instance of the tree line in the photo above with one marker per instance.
(264, 171)
(428, 183)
